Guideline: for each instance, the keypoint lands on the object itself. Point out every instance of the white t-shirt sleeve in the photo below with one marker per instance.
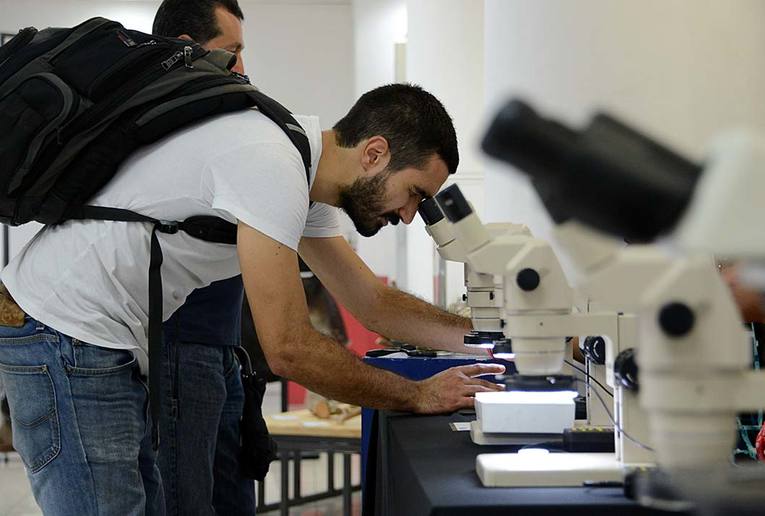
(323, 222)
(263, 185)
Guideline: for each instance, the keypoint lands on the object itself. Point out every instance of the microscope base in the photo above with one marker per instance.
(531, 469)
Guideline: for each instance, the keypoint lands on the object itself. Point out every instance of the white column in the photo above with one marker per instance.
(378, 26)
(445, 56)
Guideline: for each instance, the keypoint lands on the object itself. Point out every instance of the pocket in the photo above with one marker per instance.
(109, 403)
(32, 399)
(90, 360)
(31, 114)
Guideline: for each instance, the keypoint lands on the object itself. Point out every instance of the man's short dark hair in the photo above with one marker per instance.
(414, 122)
(193, 17)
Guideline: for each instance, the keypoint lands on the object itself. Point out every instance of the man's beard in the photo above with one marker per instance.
(363, 201)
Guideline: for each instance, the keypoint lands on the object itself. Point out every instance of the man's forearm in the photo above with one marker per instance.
(326, 367)
(401, 316)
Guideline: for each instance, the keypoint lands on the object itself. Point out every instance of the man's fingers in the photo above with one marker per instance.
(481, 369)
(489, 385)
(467, 402)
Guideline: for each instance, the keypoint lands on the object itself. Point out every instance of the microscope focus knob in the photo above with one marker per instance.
(676, 319)
(527, 279)
(594, 348)
(626, 369)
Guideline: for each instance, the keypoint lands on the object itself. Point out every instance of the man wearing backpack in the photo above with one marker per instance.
(71, 366)
(202, 393)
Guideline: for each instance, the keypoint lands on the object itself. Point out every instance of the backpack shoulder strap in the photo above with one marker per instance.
(282, 117)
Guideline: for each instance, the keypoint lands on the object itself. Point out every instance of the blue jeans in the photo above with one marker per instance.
(80, 423)
(202, 401)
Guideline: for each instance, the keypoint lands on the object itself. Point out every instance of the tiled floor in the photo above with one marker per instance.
(313, 480)
(16, 498)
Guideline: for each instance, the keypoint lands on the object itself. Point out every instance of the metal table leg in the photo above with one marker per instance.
(261, 494)
(284, 502)
(296, 475)
(330, 471)
(347, 489)
(285, 394)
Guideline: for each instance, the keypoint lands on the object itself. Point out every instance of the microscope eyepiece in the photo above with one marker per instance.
(453, 204)
(430, 211)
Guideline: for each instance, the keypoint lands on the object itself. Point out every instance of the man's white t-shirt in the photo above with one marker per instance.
(89, 279)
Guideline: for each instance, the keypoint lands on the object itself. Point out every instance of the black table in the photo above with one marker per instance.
(419, 466)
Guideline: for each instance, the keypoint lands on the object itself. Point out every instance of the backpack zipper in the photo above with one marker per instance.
(187, 60)
(22, 39)
(93, 117)
(186, 55)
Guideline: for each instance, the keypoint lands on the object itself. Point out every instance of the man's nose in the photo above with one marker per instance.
(408, 212)
(239, 66)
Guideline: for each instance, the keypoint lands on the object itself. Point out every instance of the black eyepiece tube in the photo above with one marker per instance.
(538, 147)
(453, 204)
(430, 212)
(606, 175)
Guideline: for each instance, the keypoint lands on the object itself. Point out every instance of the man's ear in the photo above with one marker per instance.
(375, 153)
(186, 37)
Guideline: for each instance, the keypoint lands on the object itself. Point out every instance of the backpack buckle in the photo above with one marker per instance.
(169, 227)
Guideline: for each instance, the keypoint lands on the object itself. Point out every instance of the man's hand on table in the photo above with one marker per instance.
(455, 388)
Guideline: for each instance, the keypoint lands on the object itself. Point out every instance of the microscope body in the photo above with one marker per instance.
(483, 290)
(694, 358)
(695, 366)
(614, 280)
(530, 261)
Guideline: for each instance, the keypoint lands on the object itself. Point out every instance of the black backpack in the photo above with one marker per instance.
(75, 103)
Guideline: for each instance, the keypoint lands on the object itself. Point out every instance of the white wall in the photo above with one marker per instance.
(378, 25)
(300, 52)
(15, 14)
(679, 69)
(445, 56)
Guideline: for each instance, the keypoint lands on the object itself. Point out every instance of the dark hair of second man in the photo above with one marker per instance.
(193, 17)
(414, 122)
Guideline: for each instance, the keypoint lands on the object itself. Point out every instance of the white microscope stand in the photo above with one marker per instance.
(620, 330)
